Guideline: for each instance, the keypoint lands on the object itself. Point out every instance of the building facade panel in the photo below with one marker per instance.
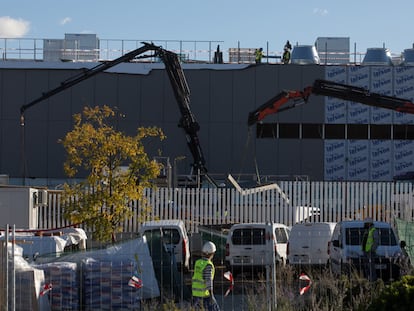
(381, 83)
(335, 159)
(403, 156)
(221, 101)
(359, 113)
(404, 88)
(336, 108)
(357, 160)
(381, 152)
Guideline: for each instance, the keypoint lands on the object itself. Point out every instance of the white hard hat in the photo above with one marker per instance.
(209, 248)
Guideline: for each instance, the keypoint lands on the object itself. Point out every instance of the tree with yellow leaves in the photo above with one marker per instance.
(118, 166)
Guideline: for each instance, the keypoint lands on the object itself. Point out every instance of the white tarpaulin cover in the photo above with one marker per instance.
(28, 284)
(105, 275)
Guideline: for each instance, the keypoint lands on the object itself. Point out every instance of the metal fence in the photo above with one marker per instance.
(101, 279)
(36, 49)
(291, 202)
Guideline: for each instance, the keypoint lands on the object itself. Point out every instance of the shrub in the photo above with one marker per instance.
(398, 295)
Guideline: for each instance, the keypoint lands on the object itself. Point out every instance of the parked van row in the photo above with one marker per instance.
(251, 246)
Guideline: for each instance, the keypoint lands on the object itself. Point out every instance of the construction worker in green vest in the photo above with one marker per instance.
(202, 282)
(258, 55)
(286, 53)
(369, 247)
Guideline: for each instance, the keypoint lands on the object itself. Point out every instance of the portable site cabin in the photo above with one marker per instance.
(18, 206)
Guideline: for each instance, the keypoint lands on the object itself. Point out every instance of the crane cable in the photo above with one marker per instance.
(249, 134)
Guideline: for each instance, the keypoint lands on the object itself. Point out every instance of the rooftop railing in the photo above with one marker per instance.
(190, 51)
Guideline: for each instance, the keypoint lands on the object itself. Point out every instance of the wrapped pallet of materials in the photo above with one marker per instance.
(105, 284)
(29, 287)
(115, 278)
(131, 257)
(119, 277)
(62, 276)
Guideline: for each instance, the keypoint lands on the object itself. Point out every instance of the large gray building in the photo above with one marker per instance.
(325, 139)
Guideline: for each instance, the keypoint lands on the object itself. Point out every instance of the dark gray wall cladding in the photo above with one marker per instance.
(220, 100)
(292, 156)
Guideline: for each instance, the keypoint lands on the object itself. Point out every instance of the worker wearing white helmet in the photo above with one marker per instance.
(203, 277)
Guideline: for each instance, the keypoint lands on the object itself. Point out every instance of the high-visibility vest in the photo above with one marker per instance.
(370, 240)
(199, 286)
(259, 55)
(286, 56)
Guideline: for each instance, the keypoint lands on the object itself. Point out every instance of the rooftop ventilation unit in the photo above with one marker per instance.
(377, 56)
(408, 57)
(304, 55)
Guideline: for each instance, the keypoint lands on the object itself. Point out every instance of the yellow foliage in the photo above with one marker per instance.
(102, 201)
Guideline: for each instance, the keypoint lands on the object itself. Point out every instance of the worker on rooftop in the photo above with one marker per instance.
(259, 55)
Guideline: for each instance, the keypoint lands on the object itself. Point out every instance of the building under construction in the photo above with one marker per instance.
(322, 138)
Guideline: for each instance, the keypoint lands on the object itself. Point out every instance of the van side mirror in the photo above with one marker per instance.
(336, 243)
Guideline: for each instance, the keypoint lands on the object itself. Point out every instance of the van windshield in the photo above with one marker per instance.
(354, 236)
(281, 236)
(169, 236)
(249, 236)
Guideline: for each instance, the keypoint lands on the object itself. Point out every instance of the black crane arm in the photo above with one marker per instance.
(88, 74)
(361, 95)
(332, 89)
(178, 82)
(187, 121)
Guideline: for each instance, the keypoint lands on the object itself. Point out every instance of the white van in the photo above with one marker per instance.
(253, 245)
(308, 243)
(346, 252)
(175, 238)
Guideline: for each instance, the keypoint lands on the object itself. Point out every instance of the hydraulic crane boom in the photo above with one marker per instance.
(187, 121)
(333, 89)
(86, 75)
(178, 82)
(361, 95)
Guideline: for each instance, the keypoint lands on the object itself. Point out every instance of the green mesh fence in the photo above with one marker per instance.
(405, 231)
